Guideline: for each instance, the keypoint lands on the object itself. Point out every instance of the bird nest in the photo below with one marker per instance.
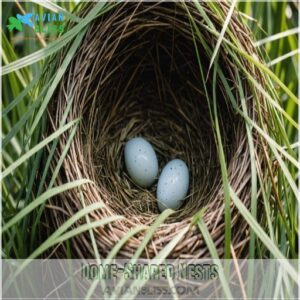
(136, 73)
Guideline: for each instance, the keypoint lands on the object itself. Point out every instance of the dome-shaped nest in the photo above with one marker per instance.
(136, 73)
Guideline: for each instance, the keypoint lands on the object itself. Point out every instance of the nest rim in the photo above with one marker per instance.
(88, 147)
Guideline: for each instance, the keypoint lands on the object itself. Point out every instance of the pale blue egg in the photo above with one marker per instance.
(173, 185)
(141, 161)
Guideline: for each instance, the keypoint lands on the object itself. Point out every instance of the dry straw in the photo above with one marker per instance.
(136, 74)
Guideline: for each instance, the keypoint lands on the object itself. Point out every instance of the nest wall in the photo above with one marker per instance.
(136, 73)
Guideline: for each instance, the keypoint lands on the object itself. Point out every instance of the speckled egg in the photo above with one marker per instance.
(173, 185)
(141, 161)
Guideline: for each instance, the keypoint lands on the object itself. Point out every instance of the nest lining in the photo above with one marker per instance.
(136, 74)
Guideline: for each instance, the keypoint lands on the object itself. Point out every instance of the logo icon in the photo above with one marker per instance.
(16, 23)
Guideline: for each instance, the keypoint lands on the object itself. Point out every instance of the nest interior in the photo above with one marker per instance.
(136, 73)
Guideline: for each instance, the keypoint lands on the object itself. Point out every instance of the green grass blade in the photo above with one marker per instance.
(84, 228)
(159, 258)
(221, 36)
(50, 242)
(214, 254)
(95, 248)
(21, 96)
(30, 59)
(48, 194)
(20, 124)
(265, 135)
(36, 148)
(260, 233)
(257, 63)
(8, 54)
(60, 72)
(283, 57)
(277, 36)
(160, 219)
(114, 251)
(53, 177)
(253, 205)
(52, 151)
(57, 9)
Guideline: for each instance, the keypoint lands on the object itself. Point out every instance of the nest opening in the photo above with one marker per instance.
(154, 94)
